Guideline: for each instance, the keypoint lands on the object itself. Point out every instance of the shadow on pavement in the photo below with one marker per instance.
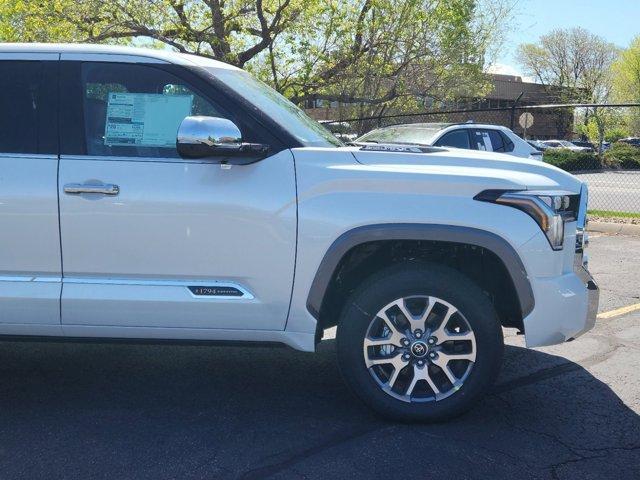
(120, 411)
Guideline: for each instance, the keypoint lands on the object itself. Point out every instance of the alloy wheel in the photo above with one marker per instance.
(419, 349)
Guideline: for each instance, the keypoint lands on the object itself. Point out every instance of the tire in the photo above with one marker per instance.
(456, 371)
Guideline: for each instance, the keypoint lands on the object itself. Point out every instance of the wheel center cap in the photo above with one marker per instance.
(419, 349)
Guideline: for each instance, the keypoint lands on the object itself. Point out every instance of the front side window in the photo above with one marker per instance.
(27, 107)
(135, 110)
(265, 99)
(456, 139)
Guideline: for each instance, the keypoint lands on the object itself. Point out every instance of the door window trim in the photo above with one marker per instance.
(111, 58)
(72, 125)
(30, 56)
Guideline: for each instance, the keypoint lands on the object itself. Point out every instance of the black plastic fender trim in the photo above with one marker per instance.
(428, 232)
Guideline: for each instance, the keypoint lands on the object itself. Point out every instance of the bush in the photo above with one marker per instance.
(622, 155)
(572, 161)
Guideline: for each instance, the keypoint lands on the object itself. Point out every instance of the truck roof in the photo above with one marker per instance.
(77, 50)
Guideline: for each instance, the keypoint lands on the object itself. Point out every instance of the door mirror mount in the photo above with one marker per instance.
(216, 138)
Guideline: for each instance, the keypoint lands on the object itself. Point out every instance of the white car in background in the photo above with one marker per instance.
(566, 144)
(470, 136)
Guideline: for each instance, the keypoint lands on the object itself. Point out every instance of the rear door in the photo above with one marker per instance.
(154, 241)
(30, 263)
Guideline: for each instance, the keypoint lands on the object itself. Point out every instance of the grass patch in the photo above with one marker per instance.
(609, 213)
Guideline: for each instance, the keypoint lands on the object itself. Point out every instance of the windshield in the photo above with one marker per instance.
(306, 130)
(565, 143)
(402, 134)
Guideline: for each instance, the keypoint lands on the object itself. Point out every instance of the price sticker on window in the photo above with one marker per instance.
(145, 119)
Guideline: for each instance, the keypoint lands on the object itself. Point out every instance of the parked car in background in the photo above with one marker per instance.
(342, 130)
(635, 141)
(538, 145)
(566, 144)
(471, 136)
(585, 144)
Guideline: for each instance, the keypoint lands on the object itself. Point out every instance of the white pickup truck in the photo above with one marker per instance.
(149, 195)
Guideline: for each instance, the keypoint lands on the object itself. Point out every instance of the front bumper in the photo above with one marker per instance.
(593, 298)
(566, 304)
(566, 307)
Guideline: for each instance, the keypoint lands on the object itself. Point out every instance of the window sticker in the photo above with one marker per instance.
(487, 141)
(145, 119)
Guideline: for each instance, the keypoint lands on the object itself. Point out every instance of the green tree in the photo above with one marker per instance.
(381, 55)
(231, 31)
(626, 82)
(616, 126)
(577, 61)
(371, 54)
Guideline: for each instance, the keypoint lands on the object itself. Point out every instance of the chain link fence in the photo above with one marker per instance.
(611, 168)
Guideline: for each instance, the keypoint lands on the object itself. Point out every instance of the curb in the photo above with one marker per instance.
(614, 228)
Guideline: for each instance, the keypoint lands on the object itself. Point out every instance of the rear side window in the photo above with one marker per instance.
(28, 107)
(508, 144)
(500, 142)
(133, 110)
(455, 139)
(490, 141)
(480, 140)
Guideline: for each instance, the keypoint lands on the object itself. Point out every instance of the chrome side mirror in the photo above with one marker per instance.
(201, 137)
(208, 136)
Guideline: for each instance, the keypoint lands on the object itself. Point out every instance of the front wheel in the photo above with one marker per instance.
(419, 342)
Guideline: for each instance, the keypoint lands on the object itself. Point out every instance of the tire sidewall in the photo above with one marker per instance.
(404, 281)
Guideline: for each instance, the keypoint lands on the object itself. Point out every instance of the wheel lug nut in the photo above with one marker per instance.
(406, 356)
(418, 333)
(405, 342)
(433, 355)
(420, 363)
(432, 340)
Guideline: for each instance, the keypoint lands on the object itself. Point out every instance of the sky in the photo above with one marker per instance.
(618, 21)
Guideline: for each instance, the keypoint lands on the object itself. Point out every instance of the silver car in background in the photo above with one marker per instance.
(470, 136)
(566, 144)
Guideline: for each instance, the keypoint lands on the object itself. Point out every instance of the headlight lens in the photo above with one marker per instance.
(550, 210)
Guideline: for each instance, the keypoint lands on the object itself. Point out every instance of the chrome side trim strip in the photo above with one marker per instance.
(246, 295)
(38, 156)
(30, 278)
(114, 158)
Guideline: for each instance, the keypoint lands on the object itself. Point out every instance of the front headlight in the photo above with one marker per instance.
(550, 209)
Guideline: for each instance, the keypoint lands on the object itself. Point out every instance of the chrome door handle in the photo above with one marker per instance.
(104, 189)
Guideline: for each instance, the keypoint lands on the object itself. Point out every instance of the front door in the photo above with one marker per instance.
(152, 240)
(30, 265)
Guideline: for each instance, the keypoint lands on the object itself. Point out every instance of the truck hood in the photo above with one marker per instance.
(498, 170)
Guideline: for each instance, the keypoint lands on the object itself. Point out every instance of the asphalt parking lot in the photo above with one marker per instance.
(77, 411)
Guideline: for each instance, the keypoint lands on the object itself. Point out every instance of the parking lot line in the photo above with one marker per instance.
(620, 311)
